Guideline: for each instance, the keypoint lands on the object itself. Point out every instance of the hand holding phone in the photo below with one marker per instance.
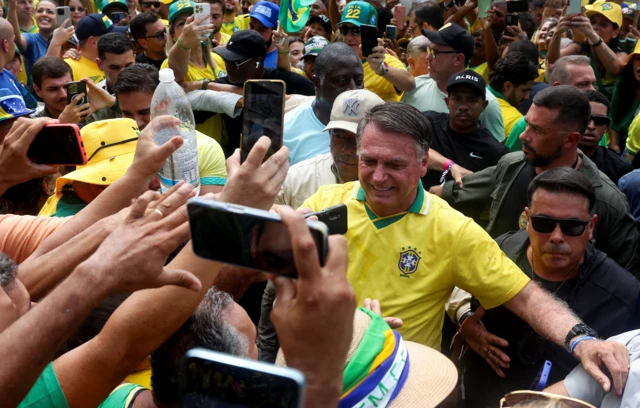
(573, 7)
(203, 10)
(335, 218)
(262, 115)
(391, 32)
(369, 36)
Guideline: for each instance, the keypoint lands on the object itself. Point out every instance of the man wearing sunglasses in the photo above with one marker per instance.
(151, 6)
(149, 32)
(555, 252)
(607, 160)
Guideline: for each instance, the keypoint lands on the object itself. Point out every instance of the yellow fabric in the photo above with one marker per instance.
(165, 22)
(224, 38)
(510, 115)
(22, 76)
(140, 377)
(633, 137)
(85, 68)
(34, 27)
(380, 86)
(636, 51)
(482, 69)
(452, 251)
(213, 126)
(299, 72)
(238, 23)
(211, 161)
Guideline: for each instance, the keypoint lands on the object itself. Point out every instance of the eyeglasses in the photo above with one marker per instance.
(571, 227)
(158, 36)
(413, 28)
(516, 397)
(80, 9)
(237, 64)
(149, 4)
(435, 53)
(354, 30)
(600, 120)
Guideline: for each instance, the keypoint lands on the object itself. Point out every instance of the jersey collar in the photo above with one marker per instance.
(420, 205)
(496, 93)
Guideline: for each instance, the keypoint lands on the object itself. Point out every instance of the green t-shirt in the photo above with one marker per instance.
(46, 392)
(122, 396)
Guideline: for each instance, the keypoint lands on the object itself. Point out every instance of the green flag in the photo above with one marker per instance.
(294, 14)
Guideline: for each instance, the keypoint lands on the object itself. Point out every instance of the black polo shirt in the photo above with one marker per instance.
(611, 164)
(474, 151)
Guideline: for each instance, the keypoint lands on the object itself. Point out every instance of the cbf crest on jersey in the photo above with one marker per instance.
(409, 261)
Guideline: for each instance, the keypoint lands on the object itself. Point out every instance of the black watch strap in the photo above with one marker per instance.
(205, 84)
(579, 329)
(464, 316)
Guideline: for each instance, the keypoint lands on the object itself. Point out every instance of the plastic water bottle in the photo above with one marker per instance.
(169, 99)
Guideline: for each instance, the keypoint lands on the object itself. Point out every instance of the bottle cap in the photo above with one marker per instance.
(166, 75)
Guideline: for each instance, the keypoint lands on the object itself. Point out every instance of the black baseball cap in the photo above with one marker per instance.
(470, 78)
(455, 37)
(243, 44)
(324, 20)
(96, 25)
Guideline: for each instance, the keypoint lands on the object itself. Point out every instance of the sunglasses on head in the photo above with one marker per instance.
(80, 9)
(149, 4)
(158, 36)
(522, 397)
(600, 120)
(354, 30)
(571, 227)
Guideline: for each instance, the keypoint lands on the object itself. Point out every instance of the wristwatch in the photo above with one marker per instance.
(384, 68)
(579, 329)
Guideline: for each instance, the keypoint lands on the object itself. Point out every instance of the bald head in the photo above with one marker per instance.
(7, 45)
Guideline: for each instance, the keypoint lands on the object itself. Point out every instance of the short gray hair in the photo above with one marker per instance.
(8, 270)
(418, 45)
(560, 73)
(400, 118)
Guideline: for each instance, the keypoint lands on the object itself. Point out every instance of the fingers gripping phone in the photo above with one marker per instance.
(335, 218)
(59, 145)
(201, 10)
(62, 13)
(369, 35)
(247, 237)
(262, 115)
(212, 379)
(76, 88)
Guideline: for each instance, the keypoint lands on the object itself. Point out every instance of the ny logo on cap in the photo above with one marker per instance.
(264, 10)
(350, 107)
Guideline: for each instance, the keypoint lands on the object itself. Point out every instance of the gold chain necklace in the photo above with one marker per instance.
(533, 272)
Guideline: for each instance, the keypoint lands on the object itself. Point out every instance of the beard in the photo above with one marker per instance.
(542, 160)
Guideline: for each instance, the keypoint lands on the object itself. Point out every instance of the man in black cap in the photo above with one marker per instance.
(457, 135)
(244, 59)
(450, 51)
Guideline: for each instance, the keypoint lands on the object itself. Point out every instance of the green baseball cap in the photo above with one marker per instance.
(314, 45)
(122, 4)
(180, 7)
(358, 13)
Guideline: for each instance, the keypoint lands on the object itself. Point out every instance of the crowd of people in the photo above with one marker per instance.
(487, 160)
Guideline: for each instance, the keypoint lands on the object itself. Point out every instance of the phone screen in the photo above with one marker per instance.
(244, 239)
(57, 145)
(215, 384)
(262, 115)
(369, 35)
(117, 17)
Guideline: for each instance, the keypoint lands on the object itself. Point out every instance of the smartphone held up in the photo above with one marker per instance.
(262, 115)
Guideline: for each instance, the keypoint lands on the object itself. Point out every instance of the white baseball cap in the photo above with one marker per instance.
(349, 108)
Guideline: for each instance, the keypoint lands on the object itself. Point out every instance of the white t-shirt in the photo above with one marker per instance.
(304, 179)
(428, 97)
(303, 134)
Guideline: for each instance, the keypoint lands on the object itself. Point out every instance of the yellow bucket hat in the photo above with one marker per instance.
(636, 51)
(611, 11)
(110, 145)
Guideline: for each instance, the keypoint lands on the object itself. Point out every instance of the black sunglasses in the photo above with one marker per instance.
(158, 36)
(345, 30)
(80, 9)
(149, 4)
(571, 227)
(600, 120)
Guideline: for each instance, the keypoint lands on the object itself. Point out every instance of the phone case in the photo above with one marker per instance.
(392, 32)
(76, 88)
(66, 13)
(248, 84)
(400, 14)
(202, 9)
(573, 7)
(80, 144)
(369, 35)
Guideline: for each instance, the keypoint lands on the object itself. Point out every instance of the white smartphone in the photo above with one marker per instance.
(247, 237)
(573, 7)
(200, 10)
(63, 13)
(212, 379)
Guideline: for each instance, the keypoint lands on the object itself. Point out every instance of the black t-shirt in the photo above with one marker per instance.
(611, 164)
(143, 59)
(508, 218)
(474, 151)
(295, 84)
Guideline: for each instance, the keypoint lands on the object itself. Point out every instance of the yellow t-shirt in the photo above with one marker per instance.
(213, 126)
(483, 70)
(633, 136)
(412, 261)
(510, 115)
(34, 28)
(299, 72)
(211, 162)
(239, 23)
(380, 86)
(85, 68)
(224, 38)
(22, 75)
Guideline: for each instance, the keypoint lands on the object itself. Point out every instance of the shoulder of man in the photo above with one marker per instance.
(330, 195)
(606, 190)
(616, 281)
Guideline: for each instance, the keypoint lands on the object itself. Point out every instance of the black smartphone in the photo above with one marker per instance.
(117, 16)
(335, 218)
(262, 115)
(369, 35)
(59, 145)
(75, 88)
(213, 379)
(517, 6)
(511, 19)
(392, 32)
(247, 237)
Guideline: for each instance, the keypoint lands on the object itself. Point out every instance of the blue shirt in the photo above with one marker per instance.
(9, 84)
(271, 59)
(36, 48)
(629, 184)
(303, 134)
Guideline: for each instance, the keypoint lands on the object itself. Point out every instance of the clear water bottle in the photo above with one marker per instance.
(169, 99)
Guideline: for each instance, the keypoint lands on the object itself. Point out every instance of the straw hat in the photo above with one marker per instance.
(432, 376)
